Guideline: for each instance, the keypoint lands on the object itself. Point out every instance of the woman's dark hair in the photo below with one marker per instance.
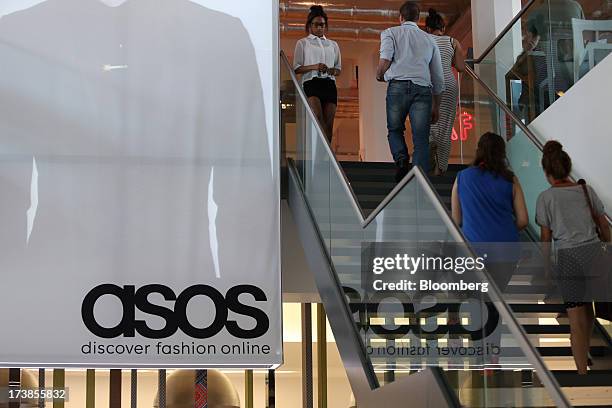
(491, 156)
(315, 11)
(434, 21)
(532, 29)
(555, 161)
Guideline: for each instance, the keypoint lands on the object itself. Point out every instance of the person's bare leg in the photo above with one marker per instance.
(317, 109)
(590, 326)
(329, 114)
(580, 335)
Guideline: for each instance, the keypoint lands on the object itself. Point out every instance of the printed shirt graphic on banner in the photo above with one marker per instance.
(135, 152)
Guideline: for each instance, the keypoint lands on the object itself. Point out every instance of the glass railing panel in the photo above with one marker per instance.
(302, 144)
(464, 136)
(547, 50)
(509, 68)
(288, 117)
(394, 321)
(314, 157)
(487, 116)
(405, 332)
(524, 155)
(525, 159)
(480, 114)
(346, 234)
(579, 36)
(476, 348)
(507, 379)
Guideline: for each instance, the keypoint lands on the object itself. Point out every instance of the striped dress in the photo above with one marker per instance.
(441, 132)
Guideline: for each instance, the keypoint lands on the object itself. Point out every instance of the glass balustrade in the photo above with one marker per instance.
(545, 52)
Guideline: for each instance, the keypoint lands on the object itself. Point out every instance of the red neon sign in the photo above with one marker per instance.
(466, 125)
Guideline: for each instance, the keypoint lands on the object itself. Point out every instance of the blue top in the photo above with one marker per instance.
(486, 206)
(414, 56)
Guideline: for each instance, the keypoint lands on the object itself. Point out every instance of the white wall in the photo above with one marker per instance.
(489, 18)
(298, 280)
(372, 114)
(372, 108)
(581, 122)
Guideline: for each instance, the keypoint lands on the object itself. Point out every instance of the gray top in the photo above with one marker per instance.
(566, 212)
(414, 56)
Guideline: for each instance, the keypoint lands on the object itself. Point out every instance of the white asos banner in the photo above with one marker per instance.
(139, 210)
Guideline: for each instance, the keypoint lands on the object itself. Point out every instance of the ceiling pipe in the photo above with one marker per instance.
(363, 31)
(339, 21)
(354, 34)
(350, 11)
(370, 31)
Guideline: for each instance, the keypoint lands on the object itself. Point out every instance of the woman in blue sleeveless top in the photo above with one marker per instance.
(487, 199)
(488, 204)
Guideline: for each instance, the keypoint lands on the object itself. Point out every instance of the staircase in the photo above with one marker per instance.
(372, 182)
(546, 325)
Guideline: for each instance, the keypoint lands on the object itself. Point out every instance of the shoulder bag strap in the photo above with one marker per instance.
(590, 203)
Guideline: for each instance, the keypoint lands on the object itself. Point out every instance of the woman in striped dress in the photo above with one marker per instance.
(452, 56)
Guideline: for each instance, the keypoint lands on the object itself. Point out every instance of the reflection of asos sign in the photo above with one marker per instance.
(175, 317)
(368, 307)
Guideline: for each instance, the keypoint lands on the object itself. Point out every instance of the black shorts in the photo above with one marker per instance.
(322, 88)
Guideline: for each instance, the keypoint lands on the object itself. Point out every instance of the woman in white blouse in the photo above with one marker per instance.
(318, 59)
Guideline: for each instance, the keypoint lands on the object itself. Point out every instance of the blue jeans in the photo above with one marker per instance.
(405, 98)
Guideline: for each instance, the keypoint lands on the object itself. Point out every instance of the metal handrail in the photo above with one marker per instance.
(532, 136)
(528, 132)
(505, 312)
(502, 34)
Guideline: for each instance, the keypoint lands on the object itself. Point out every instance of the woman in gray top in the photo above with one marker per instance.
(564, 216)
(452, 56)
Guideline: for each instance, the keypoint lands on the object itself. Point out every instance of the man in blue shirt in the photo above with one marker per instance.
(410, 62)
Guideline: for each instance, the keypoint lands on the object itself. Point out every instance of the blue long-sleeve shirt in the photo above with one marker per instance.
(414, 56)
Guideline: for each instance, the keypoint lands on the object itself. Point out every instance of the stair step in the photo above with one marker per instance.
(594, 378)
(458, 329)
(361, 165)
(538, 308)
(508, 352)
(371, 177)
(516, 308)
(560, 351)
